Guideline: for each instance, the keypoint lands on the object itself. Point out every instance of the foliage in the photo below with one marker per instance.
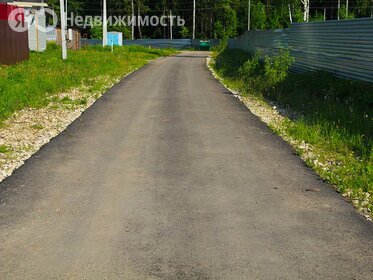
(229, 62)
(344, 15)
(217, 18)
(258, 17)
(96, 32)
(266, 73)
(276, 67)
(252, 67)
(318, 17)
(184, 32)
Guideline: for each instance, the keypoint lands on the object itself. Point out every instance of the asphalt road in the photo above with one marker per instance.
(168, 176)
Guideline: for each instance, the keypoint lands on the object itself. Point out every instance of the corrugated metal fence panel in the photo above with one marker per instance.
(13, 45)
(344, 48)
(341, 47)
(160, 43)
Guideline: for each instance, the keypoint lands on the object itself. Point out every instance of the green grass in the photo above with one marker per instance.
(334, 115)
(32, 83)
(4, 149)
(37, 126)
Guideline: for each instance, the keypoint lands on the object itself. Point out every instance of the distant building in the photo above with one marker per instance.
(35, 17)
(115, 38)
(73, 36)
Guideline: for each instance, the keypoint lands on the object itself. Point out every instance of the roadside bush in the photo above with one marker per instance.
(276, 68)
(229, 61)
(262, 76)
(251, 68)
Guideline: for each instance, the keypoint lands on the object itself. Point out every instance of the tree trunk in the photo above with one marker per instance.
(346, 9)
(171, 27)
(133, 23)
(138, 20)
(164, 27)
(306, 11)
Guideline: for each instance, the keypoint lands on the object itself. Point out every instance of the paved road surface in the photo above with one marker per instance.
(170, 177)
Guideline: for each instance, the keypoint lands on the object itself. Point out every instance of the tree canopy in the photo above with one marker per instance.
(221, 18)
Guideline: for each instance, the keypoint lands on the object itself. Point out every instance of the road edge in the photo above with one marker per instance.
(267, 115)
(14, 161)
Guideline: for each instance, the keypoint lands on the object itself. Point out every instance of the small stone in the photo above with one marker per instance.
(312, 190)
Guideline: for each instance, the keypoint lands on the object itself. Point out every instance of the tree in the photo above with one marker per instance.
(222, 18)
(184, 32)
(306, 10)
(258, 16)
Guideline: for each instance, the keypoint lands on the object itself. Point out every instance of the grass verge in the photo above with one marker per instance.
(327, 120)
(32, 83)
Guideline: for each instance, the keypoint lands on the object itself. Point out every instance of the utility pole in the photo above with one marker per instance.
(132, 21)
(194, 19)
(249, 16)
(104, 25)
(66, 12)
(171, 25)
(63, 30)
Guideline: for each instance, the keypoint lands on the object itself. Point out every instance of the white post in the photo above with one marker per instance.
(63, 30)
(290, 15)
(171, 25)
(339, 9)
(67, 13)
(104, 25)
(164, 27)
(249, 16)
(194, 19)
(132, 21)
